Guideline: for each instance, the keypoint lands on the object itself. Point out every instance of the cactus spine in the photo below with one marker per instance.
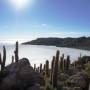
(16, 53)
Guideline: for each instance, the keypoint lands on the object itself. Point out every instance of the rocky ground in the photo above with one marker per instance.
(21, 76)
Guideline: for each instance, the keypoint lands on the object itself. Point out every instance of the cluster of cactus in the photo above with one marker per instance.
(64, 63)
(2, 61)
(58, 65)
(16, 53)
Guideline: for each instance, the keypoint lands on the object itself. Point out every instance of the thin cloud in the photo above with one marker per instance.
(43, 25)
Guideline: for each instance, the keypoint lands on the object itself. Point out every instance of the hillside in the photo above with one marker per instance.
(80, 43)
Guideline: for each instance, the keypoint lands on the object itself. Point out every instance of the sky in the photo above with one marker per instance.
(24, 21)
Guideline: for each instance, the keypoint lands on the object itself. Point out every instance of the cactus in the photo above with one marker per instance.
(55, 72)
(75, 64)
(68, 62)
(12, 59)
(16, 53)
(61, 64)
(63, 55)
(44, 67)
(40, 68)
(47, 69)
(64, 65)
(0, 59)
(35, 67)
(2, 62)
(4, 55)
(52, 67)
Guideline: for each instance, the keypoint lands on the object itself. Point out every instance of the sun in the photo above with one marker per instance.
(20, 4)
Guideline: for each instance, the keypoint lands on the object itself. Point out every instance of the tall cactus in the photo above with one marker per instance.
(68, 62)
(47, 69)
(64, 65)
(0, 59)
(52, 68)
(63, 55)
(2, 62)
(12, 59)
(61, 64)
(35, 67)
(75, 64)
(40, 68)
(16, 53)
(4, 56)
(44, 67)
(55, 72)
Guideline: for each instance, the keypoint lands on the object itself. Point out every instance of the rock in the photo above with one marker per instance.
(20, 76)
(15, 67)
(78, 80)
(36, 87)
(70, 88)
(77, 88)
(62, 78)
(67, 88)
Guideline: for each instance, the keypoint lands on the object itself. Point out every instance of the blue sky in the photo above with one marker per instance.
(45, 18)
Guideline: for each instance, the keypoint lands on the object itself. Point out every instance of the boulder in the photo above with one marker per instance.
(20, 76)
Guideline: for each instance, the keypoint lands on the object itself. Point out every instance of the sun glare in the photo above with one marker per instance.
(20, 4)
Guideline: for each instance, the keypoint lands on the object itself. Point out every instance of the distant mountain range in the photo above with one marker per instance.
(80, 43)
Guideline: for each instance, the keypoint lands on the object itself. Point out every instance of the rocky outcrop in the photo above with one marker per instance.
(20, 76)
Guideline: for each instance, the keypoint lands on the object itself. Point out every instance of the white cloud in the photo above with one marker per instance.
(44, 25)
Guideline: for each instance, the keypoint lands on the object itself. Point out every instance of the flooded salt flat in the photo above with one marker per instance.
(39, 54)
